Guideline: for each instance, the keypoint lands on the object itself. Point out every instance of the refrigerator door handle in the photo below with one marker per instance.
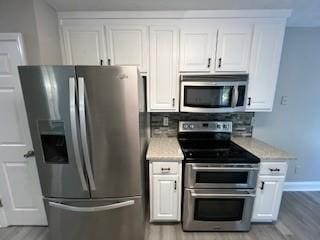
(74, 131)
(83, 131)
(92, 209)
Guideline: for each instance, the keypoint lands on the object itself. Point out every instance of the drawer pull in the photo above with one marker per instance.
(165, 169)
(274, 169)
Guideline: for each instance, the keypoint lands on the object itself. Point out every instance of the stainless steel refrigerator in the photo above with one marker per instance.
(89, 131)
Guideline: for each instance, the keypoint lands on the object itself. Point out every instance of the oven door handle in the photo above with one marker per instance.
(206, 195)
(225, 169)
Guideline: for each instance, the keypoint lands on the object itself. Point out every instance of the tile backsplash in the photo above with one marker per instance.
(242, 122)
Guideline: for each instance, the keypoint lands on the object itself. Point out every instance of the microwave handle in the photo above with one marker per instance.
(235, 96)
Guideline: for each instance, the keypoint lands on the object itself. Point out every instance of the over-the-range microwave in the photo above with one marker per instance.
(213, 93)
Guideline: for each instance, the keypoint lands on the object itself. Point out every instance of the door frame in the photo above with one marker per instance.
(17, 37)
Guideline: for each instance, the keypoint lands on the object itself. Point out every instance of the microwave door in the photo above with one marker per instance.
(207, 97)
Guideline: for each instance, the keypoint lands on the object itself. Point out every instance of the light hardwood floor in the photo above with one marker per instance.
(299, 219)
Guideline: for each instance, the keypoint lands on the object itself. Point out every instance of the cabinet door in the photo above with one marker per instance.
(197, 45)
(233, 48)
(268, 198)
(84, 44)
(128, 45)
(165, 197)
(163, 95)
(264, 65)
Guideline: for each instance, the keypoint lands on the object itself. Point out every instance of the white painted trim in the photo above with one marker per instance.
(17, 37)
(281, 13)
(302, 186)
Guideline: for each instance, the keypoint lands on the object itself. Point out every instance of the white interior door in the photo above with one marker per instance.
(19, 182)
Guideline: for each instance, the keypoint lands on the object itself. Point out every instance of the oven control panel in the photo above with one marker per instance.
(205, 126)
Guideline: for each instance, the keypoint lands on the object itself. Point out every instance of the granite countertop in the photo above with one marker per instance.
(164, 149)
(262, 150)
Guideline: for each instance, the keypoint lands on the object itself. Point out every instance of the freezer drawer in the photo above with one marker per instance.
(116, 219)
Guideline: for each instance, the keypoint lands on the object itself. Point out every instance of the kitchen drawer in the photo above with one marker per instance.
(273, 168)
(165, 168)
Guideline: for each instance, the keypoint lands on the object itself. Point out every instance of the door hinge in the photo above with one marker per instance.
(1, 203)
(175, 185)
(173, 102)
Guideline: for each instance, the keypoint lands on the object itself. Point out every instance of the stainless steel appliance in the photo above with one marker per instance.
(220, 178)
(88, 128)
(213, 93)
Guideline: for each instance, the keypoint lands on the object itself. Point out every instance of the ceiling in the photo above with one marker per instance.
(305, 12)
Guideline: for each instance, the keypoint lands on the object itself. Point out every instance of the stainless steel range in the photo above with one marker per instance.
(219, 178)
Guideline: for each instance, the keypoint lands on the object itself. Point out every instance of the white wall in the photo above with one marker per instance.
(48, 33)
(296, 127)
(18, 16)
(38, 23)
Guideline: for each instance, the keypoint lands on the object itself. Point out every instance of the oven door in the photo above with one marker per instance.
(202, 175)
(212, 96)
(217, 210)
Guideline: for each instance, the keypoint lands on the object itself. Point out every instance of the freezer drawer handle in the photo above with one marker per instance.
(74, 131)
(83, 131)
(91, 209)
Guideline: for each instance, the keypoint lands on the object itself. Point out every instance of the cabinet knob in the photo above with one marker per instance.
(109, 61)
(173, 102)
(209, 62)
(101, 62)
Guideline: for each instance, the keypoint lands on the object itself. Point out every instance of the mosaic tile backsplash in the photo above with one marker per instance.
(242, 122)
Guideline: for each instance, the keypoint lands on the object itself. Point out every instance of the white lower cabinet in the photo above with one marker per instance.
(269, 192)
(165, 192)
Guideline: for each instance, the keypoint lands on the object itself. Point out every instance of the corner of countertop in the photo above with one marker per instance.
(164, 149)
(262, 150)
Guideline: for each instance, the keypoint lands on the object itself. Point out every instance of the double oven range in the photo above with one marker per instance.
(219, 178)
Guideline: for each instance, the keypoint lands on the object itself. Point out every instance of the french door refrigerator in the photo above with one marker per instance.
(88, 127)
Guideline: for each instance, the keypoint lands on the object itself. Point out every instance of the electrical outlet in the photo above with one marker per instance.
(165, 121)
(284, 100)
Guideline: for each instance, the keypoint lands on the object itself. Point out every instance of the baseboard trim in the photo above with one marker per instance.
(301, 186)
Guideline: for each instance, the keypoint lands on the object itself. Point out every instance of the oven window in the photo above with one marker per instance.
(219, 209)
(221, 177)
(208, 97)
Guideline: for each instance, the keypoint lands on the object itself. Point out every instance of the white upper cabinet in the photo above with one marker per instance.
(84, 44)
(128, 45)
(163, 89)
(197, 47)
(264, 65)
(233, 48)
